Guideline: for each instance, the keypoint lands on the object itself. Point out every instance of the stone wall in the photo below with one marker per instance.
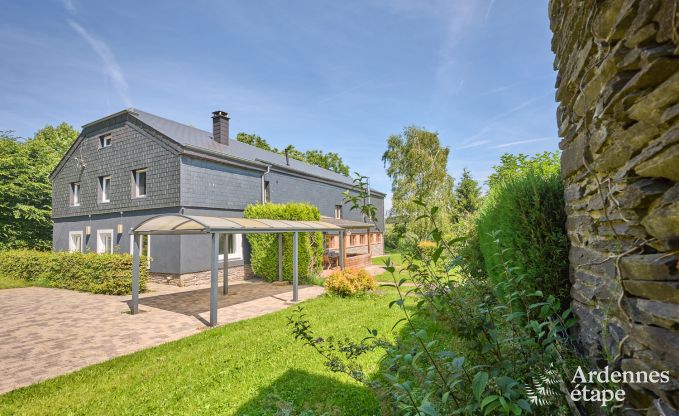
(618, 89)
(199, 278)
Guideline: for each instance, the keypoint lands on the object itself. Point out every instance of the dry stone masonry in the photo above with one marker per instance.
(236, 273)
(618, 89)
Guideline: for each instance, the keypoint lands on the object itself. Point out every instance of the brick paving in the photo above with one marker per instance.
(48, 332)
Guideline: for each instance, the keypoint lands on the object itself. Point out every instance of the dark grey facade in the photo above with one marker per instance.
(186, 172)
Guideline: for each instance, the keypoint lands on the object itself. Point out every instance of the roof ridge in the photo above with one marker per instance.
(191, 136)
(132, 110)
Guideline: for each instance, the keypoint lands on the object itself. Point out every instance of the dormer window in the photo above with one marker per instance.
(75, 194)
(139, 183)
(104, 141)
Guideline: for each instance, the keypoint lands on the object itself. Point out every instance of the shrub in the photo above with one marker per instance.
(350, 282)
(407, 244)
(426, 248)
(523, 220)
(88, 272)
(391, 240)
(469, 249)
(470, 347)
(264, 247)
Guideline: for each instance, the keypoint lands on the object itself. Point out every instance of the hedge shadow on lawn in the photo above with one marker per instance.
(297, 391)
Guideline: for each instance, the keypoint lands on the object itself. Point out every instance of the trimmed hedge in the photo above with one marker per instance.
(264, 247)
(109, 274)
(522, 222)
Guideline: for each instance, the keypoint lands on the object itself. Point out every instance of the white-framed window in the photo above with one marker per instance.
(75, 194)
(104, 141)
(104, 189)
(105, 241)
(139, 183)
(235, 246)
(75, 241)
(267, 191)
(144, 248)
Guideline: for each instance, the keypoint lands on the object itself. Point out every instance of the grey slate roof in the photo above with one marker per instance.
(192, 136)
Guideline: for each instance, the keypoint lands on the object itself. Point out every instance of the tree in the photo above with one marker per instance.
(545, 163)
(25, 189)
(416, 163)
(331, 161)
(255, 140)
(467, 194)
(294, 153)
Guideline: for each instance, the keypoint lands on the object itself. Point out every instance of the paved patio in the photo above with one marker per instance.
(49, 332)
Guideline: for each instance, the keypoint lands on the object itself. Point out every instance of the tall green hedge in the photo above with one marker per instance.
(525, 214)
(88, 272)
(264, 253)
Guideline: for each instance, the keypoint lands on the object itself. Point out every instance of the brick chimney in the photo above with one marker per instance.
(220, 127)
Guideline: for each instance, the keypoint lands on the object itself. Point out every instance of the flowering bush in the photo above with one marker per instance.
(350, 282)
(426, 248)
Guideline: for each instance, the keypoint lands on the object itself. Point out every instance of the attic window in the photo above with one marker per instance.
(104, 189)
(139, 183)
(75, 194)
(104, 141)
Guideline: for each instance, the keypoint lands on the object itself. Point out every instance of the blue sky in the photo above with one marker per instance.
(339, 76)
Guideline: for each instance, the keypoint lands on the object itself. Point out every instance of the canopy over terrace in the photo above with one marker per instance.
(177, 224)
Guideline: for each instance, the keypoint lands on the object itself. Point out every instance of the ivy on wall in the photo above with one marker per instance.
(264, 247)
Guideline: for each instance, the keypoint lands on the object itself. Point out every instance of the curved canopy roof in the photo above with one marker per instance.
(197, 224)
(347, 224)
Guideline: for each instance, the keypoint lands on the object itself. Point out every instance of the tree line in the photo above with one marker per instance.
(331, 160)
(417, 165)
(25, 189)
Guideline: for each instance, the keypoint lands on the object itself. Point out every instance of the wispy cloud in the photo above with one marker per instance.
(358, 88)
(490, 7)
(455, 17)
(500, 89)
(491, 122)
(475, 143)
(520, 106)
(70, 6)
(111, 67)
(518, 142)
(458, 16)
(511, 85)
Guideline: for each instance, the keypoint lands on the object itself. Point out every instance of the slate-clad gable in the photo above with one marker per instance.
(132, 148)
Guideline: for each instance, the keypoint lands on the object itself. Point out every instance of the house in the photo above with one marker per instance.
(132, 165)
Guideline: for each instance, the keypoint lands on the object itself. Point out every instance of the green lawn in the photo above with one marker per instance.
(395, 256)
(9, 283)
(396, 261)
(253, 367)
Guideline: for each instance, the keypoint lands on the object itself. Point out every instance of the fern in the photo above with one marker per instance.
(544, 388)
